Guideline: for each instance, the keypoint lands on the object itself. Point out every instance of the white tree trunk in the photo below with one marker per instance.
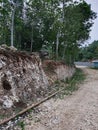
(57, 45)
(64, 28)
(12, 27)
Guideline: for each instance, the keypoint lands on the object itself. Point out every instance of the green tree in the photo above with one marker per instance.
(78, 20)
(59, 26)
(4, 22)
(89, 52)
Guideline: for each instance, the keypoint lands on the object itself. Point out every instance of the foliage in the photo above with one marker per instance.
(77, 78)
(71, 84)
(89, 52)
(22, 125)
(61, 26)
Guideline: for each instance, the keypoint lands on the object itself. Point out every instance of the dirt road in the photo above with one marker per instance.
(78, 111)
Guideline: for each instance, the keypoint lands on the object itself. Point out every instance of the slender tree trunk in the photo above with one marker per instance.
(12, 27)
(64, 52)
(32, 38)
(19, 41)
(63, 11)
(57, 45)
(64, 29)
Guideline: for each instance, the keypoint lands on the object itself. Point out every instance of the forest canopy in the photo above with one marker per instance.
(89, 53)
(57, 26)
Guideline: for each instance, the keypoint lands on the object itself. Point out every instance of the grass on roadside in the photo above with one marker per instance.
(72, 83)
(22, 125)
(77, 78)
(95, 68)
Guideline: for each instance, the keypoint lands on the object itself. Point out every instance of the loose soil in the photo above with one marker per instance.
(78, 111)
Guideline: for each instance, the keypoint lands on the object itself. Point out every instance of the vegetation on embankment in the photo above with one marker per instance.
(71, 84)
(77, 78)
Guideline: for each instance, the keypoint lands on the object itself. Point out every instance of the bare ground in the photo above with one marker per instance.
(78, 111)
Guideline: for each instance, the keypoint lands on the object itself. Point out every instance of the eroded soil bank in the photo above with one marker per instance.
(24, 79)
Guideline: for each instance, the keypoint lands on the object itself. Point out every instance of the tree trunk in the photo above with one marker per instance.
(12, 27)
(31, 38)
(57, 45)
(64, 52)
(64, 29)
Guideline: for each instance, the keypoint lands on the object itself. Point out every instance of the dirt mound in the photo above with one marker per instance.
(21, 77)
(57, 70)
(25, 79)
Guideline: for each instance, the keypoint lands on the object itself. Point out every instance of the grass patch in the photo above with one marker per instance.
(22, 125)
(72, 84)
(95, 68)
(2, 116)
